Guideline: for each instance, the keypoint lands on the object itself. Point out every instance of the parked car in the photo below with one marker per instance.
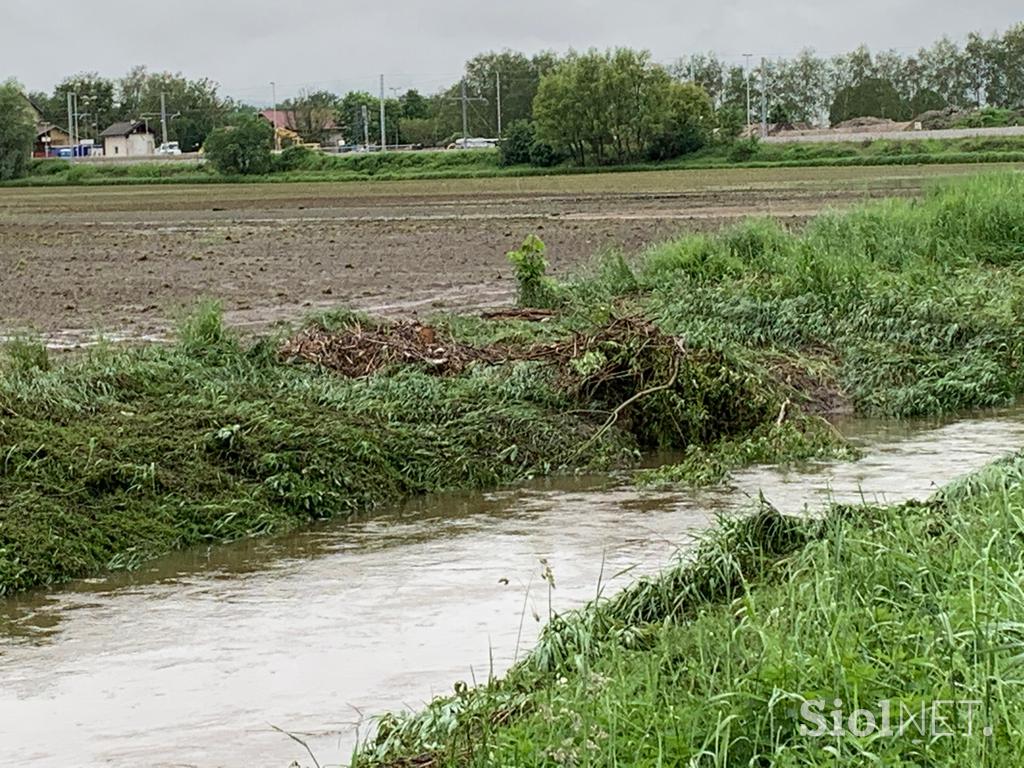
(170, 148)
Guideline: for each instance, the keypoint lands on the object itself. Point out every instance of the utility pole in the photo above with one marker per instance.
(383, 118)
(465, 115)
(71, 126)
(163, 117)
(465, 98)
(764, 99)
(498, 77)
(366, 126)
(273, 96)
(273, 115)
(400, 100)
(747, 55)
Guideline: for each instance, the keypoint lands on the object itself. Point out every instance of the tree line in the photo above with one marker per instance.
(591, 107)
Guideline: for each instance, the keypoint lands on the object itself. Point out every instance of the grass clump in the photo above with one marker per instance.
(913, 305)
(712, 662)
(24, 354)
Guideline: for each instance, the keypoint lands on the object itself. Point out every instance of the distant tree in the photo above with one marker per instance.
(800, 89)
(944, 71)
(421, 131)
(17, 131)
(515, 145)
(613, 106)
(705, 70)
(415, 106)
(871, 97)
(1009, 59)
(925, 101)
(194, 107)
(349, 116)
(314, 115)
(96, 99)
(689, 122)
(243, 148)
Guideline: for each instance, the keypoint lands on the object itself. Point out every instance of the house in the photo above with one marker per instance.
(311, 125)
(128, 139)
(49, 136)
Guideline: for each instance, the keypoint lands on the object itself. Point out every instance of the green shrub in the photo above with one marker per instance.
(536, 290)
(241, 149)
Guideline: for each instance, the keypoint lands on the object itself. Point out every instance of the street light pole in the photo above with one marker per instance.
(748, 55)
(383, 118)
(273, 121)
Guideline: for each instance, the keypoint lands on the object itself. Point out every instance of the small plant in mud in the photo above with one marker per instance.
(536, 289)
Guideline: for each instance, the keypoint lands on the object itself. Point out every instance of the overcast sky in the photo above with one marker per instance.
(344, 45)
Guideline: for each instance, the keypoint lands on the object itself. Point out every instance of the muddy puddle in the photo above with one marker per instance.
(193, 660)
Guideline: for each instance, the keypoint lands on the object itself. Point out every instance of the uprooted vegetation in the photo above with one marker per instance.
(728, 348)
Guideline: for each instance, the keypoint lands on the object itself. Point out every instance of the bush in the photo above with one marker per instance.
(241, 149)
(744, 151)
(543, 155)
(296, 157)
(517, 143)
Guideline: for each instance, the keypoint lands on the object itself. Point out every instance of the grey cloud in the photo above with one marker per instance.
(341, 45)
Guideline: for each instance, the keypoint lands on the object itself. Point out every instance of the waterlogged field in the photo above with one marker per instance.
(124, 261)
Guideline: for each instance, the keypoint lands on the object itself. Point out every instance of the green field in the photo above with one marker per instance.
(486, 163)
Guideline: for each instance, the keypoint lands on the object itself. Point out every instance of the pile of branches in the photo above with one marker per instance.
(359, 350)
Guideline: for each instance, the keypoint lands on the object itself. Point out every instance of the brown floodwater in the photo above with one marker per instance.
(191, 661)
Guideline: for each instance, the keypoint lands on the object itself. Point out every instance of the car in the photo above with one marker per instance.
(170, 148)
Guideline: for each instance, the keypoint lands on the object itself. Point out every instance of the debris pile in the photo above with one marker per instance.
(359, 350)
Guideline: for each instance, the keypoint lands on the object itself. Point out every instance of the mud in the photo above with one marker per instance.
(124, 262)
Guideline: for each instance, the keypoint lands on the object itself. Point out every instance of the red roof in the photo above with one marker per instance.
(285, 118)
(279, 118)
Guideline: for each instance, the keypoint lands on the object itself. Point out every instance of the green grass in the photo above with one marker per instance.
(899, 308)
(726, 347)
(126, 454)
(710, 663)
(440, 165)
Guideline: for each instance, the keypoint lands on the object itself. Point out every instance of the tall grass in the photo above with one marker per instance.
(896, 307)
(917, 304)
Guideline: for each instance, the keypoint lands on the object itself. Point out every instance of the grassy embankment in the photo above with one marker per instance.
(730, 346)
(713, 662)
(394, 166)
(918, 605)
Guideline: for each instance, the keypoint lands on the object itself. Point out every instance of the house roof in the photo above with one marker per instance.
(279, 118)
(285, 118)
(124, 129)
(42, 129)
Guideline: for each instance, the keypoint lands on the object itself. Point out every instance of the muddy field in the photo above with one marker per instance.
(125, 261)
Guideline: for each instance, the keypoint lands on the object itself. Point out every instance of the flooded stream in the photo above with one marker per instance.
(191, 661)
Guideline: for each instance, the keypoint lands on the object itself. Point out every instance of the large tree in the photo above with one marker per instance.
(871, 97)
(194, 107)
(242, 148)
(17, 131)
(618, 107)
(314, 115)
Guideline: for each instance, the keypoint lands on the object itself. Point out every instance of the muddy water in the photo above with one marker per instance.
(190, 662)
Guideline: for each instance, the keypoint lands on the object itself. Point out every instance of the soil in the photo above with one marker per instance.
(125, 262)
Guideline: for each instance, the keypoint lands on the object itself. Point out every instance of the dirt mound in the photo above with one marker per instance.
(360, 350)
(868, 123)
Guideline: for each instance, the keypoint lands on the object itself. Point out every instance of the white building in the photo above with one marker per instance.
(130, 139)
